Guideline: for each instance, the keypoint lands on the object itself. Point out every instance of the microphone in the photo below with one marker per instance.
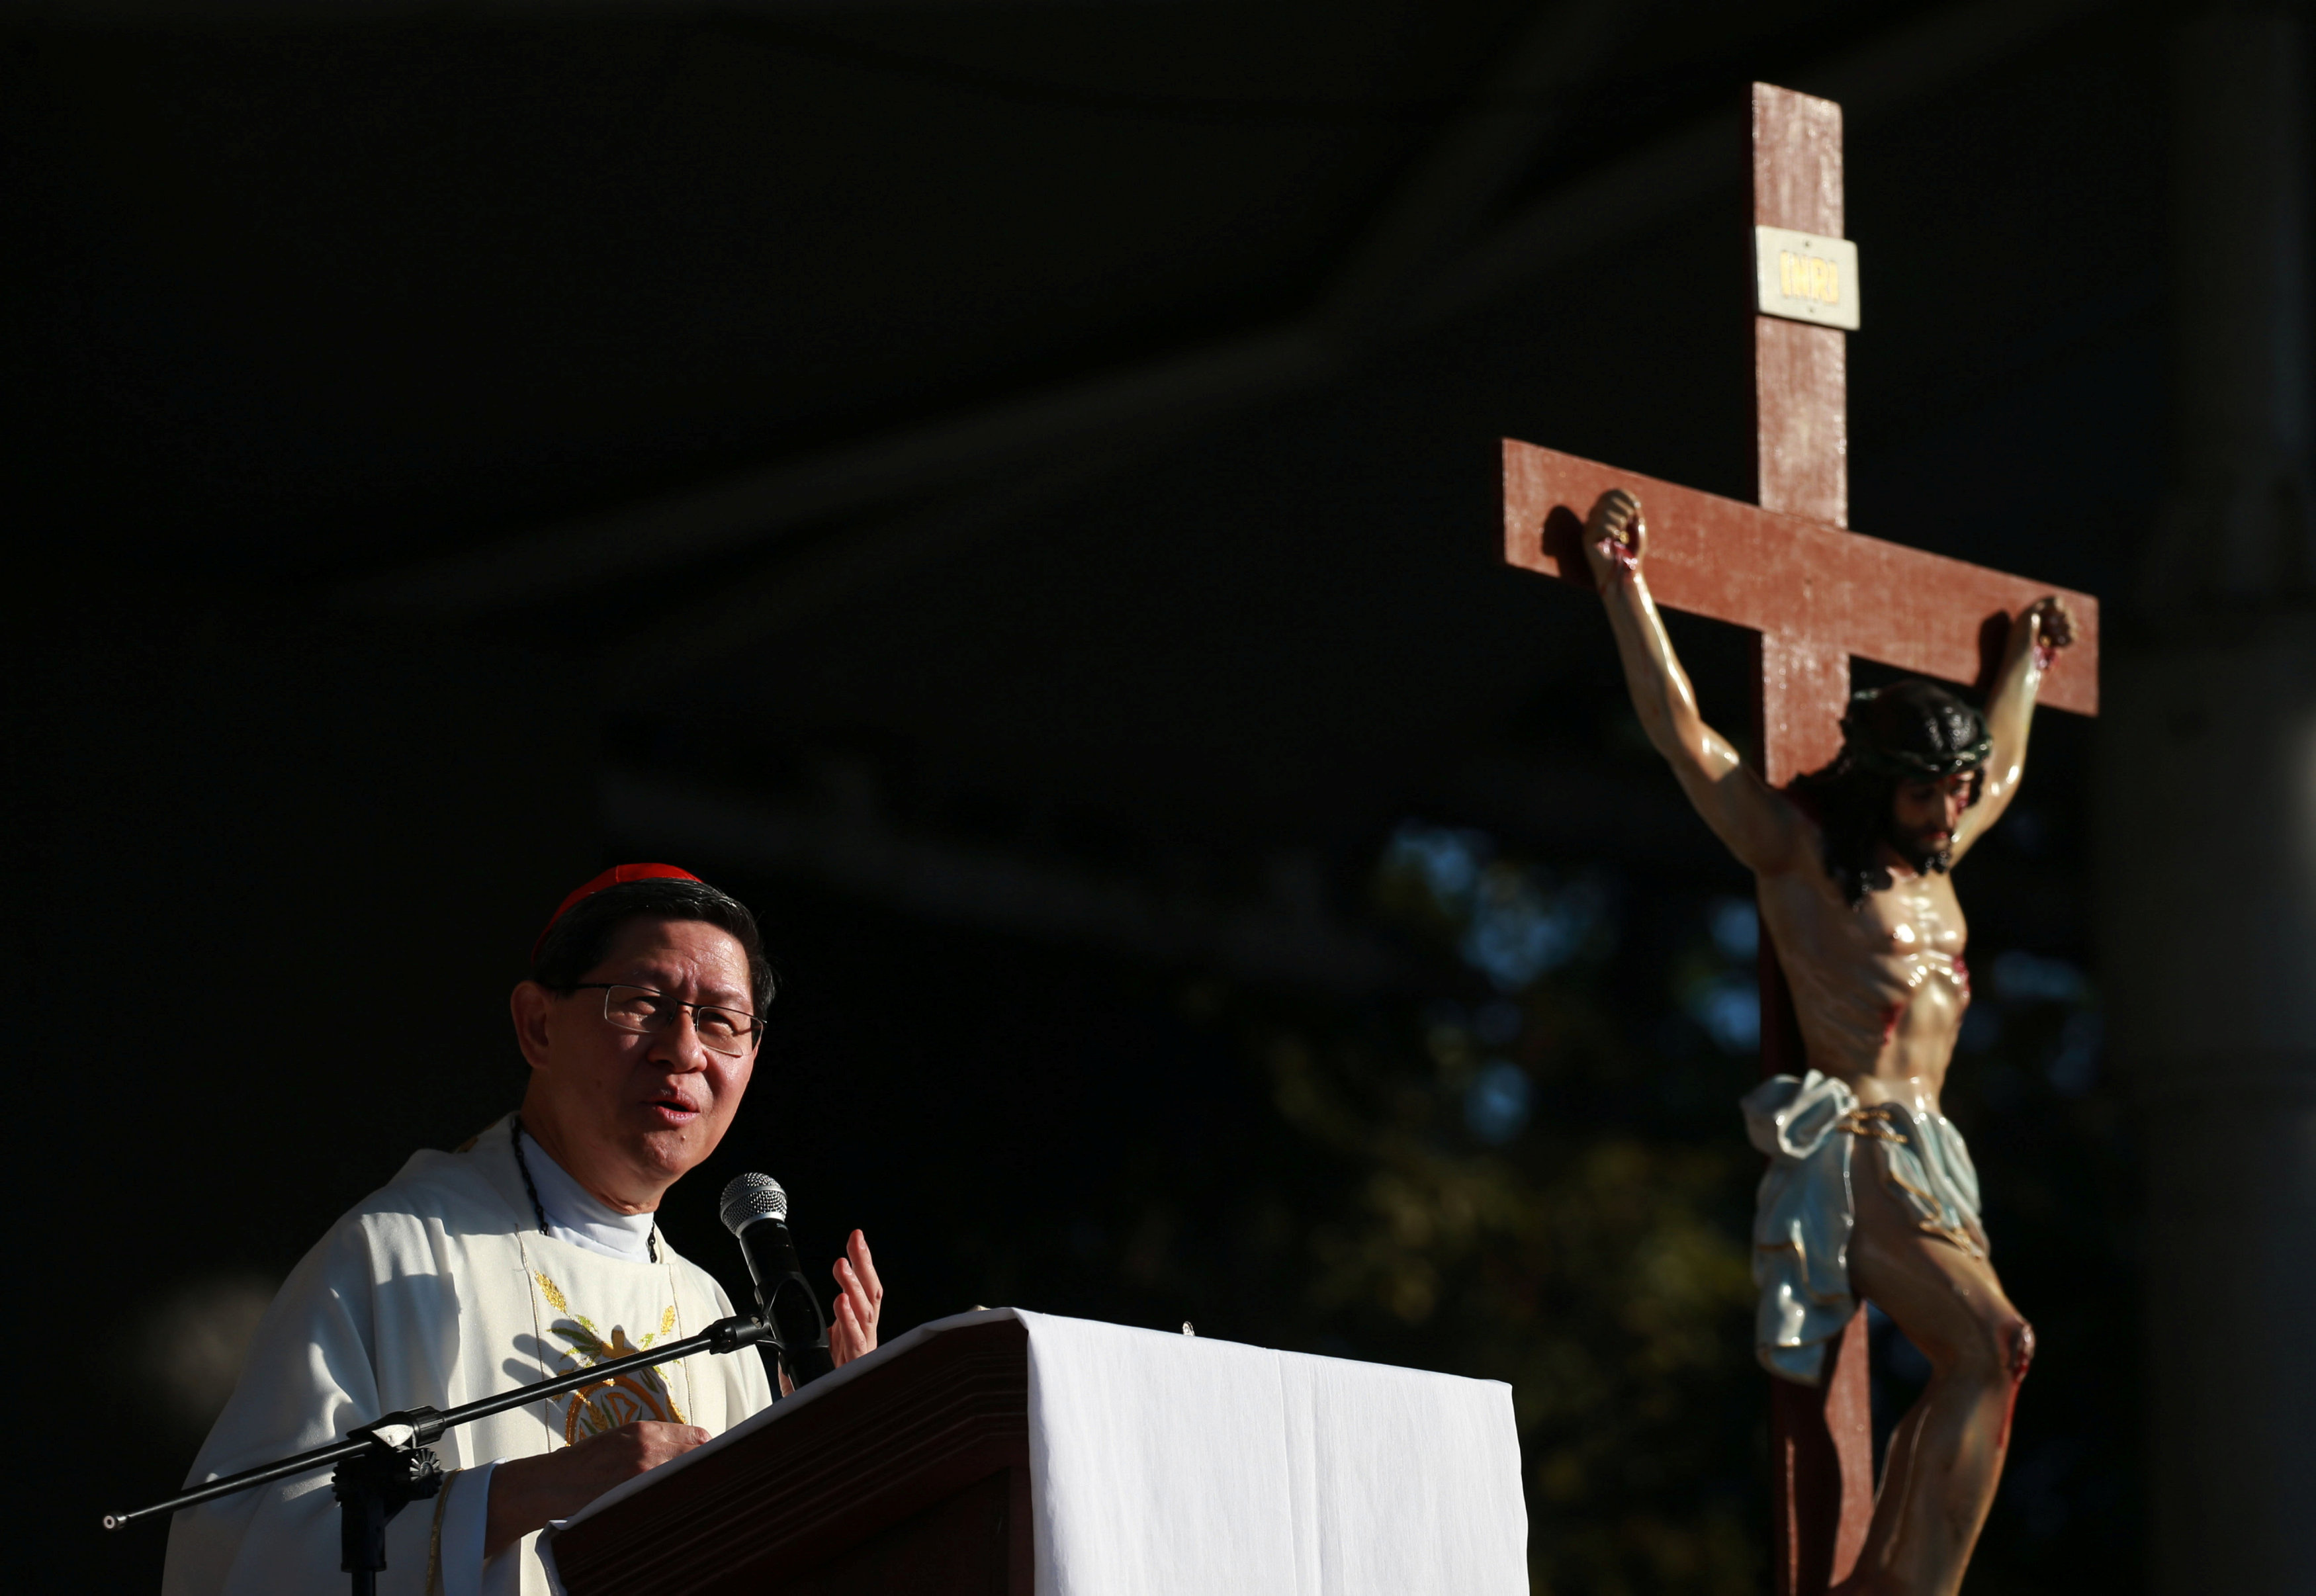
(756, 1212)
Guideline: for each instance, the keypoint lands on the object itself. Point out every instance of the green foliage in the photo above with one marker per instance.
(1594, 1255)
(1523, 1163)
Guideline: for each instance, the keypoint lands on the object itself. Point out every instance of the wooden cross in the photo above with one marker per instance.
(1814, 594)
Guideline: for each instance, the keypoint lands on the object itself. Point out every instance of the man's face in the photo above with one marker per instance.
(1923, 815)
(629, 1112)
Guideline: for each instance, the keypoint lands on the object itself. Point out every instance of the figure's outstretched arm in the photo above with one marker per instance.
(2040, 631)
(1766, 832)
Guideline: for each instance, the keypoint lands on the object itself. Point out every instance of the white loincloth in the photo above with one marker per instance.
(1803, 1213)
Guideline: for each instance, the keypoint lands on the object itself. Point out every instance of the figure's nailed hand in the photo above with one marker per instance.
(2047, 626)
(860, 1300)
(1614, 536)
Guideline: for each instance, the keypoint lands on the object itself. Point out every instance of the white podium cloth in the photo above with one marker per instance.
(1183, 1466)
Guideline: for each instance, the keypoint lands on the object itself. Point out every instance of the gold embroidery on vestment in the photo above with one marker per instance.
(623, 1399)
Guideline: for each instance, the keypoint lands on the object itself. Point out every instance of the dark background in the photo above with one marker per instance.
(1010, 490)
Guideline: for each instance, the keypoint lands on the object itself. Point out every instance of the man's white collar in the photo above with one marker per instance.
(576, 1215)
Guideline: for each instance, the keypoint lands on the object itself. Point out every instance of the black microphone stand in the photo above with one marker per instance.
(385, 1467)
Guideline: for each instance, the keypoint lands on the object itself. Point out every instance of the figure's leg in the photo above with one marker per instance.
(1946, 1457)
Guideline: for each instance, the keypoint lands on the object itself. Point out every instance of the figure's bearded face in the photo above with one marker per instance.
(1924, 815)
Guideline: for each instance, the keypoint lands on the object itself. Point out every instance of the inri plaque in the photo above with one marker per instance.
(1805, 278)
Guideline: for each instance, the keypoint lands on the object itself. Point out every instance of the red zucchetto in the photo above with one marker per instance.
(613, 876)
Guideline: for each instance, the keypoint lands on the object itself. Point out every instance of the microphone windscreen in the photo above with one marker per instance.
(753, 1197)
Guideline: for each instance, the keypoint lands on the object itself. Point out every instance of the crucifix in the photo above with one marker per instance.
(1858, 1020)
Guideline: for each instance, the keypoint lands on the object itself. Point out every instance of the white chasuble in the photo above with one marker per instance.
(436, 1290)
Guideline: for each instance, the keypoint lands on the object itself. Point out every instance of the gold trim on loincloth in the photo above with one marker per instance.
(1872, 1121)
(1954, 1235)
(1903, 1184)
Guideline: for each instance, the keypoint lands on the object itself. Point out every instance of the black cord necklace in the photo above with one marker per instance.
(539, 1208)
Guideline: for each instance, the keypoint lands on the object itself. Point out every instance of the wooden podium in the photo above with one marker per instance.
(913, 1478)
(981, 1454)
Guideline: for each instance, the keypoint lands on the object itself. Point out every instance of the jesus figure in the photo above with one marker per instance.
(1870, 1193)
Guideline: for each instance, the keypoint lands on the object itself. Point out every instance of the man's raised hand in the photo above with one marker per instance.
(859, 1299)
(1614, 536)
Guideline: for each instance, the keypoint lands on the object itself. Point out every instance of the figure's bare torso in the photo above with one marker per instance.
(1879, 988)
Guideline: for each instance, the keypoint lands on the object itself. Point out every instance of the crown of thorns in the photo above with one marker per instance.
(1914, 731)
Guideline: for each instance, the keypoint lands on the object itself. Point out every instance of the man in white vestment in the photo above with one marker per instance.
(529, 1252)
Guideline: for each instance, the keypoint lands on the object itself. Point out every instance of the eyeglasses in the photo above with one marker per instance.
(727, 1032)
